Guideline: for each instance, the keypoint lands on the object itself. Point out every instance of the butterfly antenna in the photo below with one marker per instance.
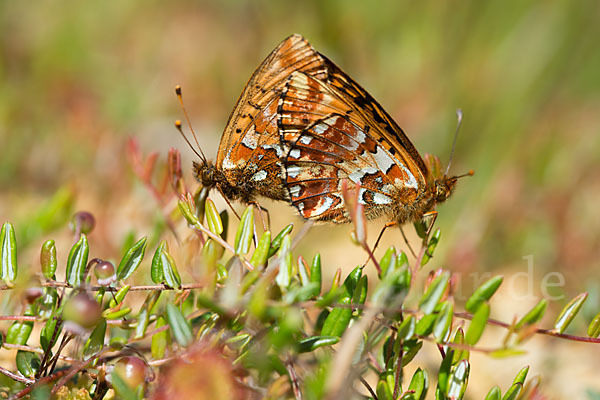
(187, 118)
(470, 173)
(459, 116)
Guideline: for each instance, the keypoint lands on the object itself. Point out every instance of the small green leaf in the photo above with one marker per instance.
(245, 232)
(521, 375)
(160, 340)
(119, 296)
(483, 293)
(276, 243)
(389, 257)
(116, 314)
(360, 292)
(443, 321)
(459, 354)
(179, 326)
(411, 349)
(433, 242)
(48, 331)
(19, 331)
(569, 312)
(444, 371)
(8, 253)
(314, 342)
(28, 363)
(419, 384)
(284, 276)
(351, 281)
(95, 342)
(315, 273)
(187, 212)
(425, 325)
(77, 261)
(261, 254)
(534, 315)
(594, 327)
(225, 220)
(513, 392)
(494, 394)
(132, 259)
(156, 271)
(163, 268)
(434, 293)
(406, 330)
(213, 219)
(478, 324)
(384, 392)
(338, 319)
(457, 384)
(48, 259)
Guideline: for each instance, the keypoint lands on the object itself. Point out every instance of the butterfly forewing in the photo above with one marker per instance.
(250, 149)
(342, 142)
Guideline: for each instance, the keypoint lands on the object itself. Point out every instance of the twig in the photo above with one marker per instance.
(16, 377)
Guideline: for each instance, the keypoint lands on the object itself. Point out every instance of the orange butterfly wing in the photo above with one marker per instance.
(345, 141)
(250, 149)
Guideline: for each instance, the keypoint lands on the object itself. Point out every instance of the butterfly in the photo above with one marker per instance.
(335, 131)
(249, 158)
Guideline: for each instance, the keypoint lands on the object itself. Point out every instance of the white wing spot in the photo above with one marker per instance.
(295, 190)
(249, 139)
(379, 198)
(293, 171)
(324, 205)
(259, 176)
(305, 139)
(295, 153)
(383, 159)
(275, 147)
(320, 128)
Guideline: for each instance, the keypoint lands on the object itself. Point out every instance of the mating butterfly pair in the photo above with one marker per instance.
(302, 126)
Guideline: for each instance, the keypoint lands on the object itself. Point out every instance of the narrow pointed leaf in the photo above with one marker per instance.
(132, 259)
(261, 254)
(594, 327)
(179, 326)
(387, 261)
(338, 319)
(513, 392)
(443, 321)
(521, 375)
(284, 276)
(245, 232)
(406, 330)
(534, 315)
(8, 253)
(444, 371)
(276, 243)
(95, 342)
(169, 268)
(478, 324)
(494, 394)
(459, 354)
(156, 271)
(119, 296)
(28, 363)
(77, 261)
(419, 384)
(569, 312)
(160, 340)
(457, 384)
(483, 293)
(213, 219)
(434, 293)
(315, 273)
(314, 342)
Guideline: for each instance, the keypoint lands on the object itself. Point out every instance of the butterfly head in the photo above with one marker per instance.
(206, 173)
(442, 184)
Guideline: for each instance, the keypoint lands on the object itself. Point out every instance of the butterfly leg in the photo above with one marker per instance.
(387, 225)
(407, 243)
(260, 208)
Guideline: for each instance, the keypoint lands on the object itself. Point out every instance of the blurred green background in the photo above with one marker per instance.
(79, 78)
